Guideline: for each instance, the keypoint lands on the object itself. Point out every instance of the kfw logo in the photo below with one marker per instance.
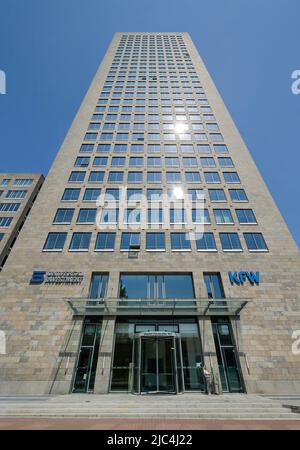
(38, 277)
(240, 278)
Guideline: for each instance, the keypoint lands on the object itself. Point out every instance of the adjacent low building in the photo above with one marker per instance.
(18, 192)
(154, 247)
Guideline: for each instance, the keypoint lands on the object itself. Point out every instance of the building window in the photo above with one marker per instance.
(231, 177)
(204, 148)
(223, 216)
(155, 216)
(16, 194)
(100, 161)
(106, 136)
(112, 195)
(238, 195)
(130, 241)
(5, 222)
(132, 215)
(63, 216)
(115, 177)
(86, 216)
(1, 236)
(220, 148)
(180, 241)
(155, 241)
(98, 287)
(173, 177)
(156, 286)
(5, 182)
(118, 161)
(23, 182)
(212, 177)
(71, 195)
(82, 162)
(80, 242)
(110, 215)
(105, 242)
(207, 162)
(153, 162)
(214, 286)
(200, 216)
(255, 242)
(205, 242)
(136, 161)
(135, 177)
(192, 177)
(77, 177)
(217, 195)
(103, 148)
(195, 195)
(230, 242)
(225, 162)
(246, 216)
(154, 195)
(134, 195)
(55, 242)
(91, 195)
(9, 207)
(91, 136)
(154, 177)
(96, 177)
(189, 162)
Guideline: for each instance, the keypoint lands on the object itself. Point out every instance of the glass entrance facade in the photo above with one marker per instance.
(88, 356)
(228, 362)
(157, 356)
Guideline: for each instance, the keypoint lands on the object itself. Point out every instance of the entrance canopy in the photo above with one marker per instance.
(137, 307)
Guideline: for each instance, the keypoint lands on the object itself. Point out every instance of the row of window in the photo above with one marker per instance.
(113, 194)
(153, 105)
(213, 137)
(151, 126)
(17, 182)
(156, 148)
(163, 110)
(180, 241)
(154, 161)
(154, 216)
(152, 177)
(14, 194)
(9, 207)
(180, 115)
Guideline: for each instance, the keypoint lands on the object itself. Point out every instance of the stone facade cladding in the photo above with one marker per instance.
(38, 323)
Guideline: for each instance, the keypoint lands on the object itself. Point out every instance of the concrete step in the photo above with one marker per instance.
(187, 406)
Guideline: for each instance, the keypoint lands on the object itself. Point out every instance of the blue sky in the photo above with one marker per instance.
(50, 50)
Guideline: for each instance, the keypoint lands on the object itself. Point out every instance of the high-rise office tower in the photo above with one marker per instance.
(18, 192)
(189, 263)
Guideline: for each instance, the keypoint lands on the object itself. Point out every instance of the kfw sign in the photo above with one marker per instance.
(240, 278)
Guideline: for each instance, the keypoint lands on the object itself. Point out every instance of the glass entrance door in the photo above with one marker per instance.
(157, 365)
(85, 373)
(231, 378)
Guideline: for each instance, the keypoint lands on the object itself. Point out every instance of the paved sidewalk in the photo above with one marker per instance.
(146, 424)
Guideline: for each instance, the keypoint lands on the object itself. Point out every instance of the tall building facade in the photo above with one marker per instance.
(154, 247)
(18, 191)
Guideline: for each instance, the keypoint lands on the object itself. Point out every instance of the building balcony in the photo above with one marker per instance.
(156, 307)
